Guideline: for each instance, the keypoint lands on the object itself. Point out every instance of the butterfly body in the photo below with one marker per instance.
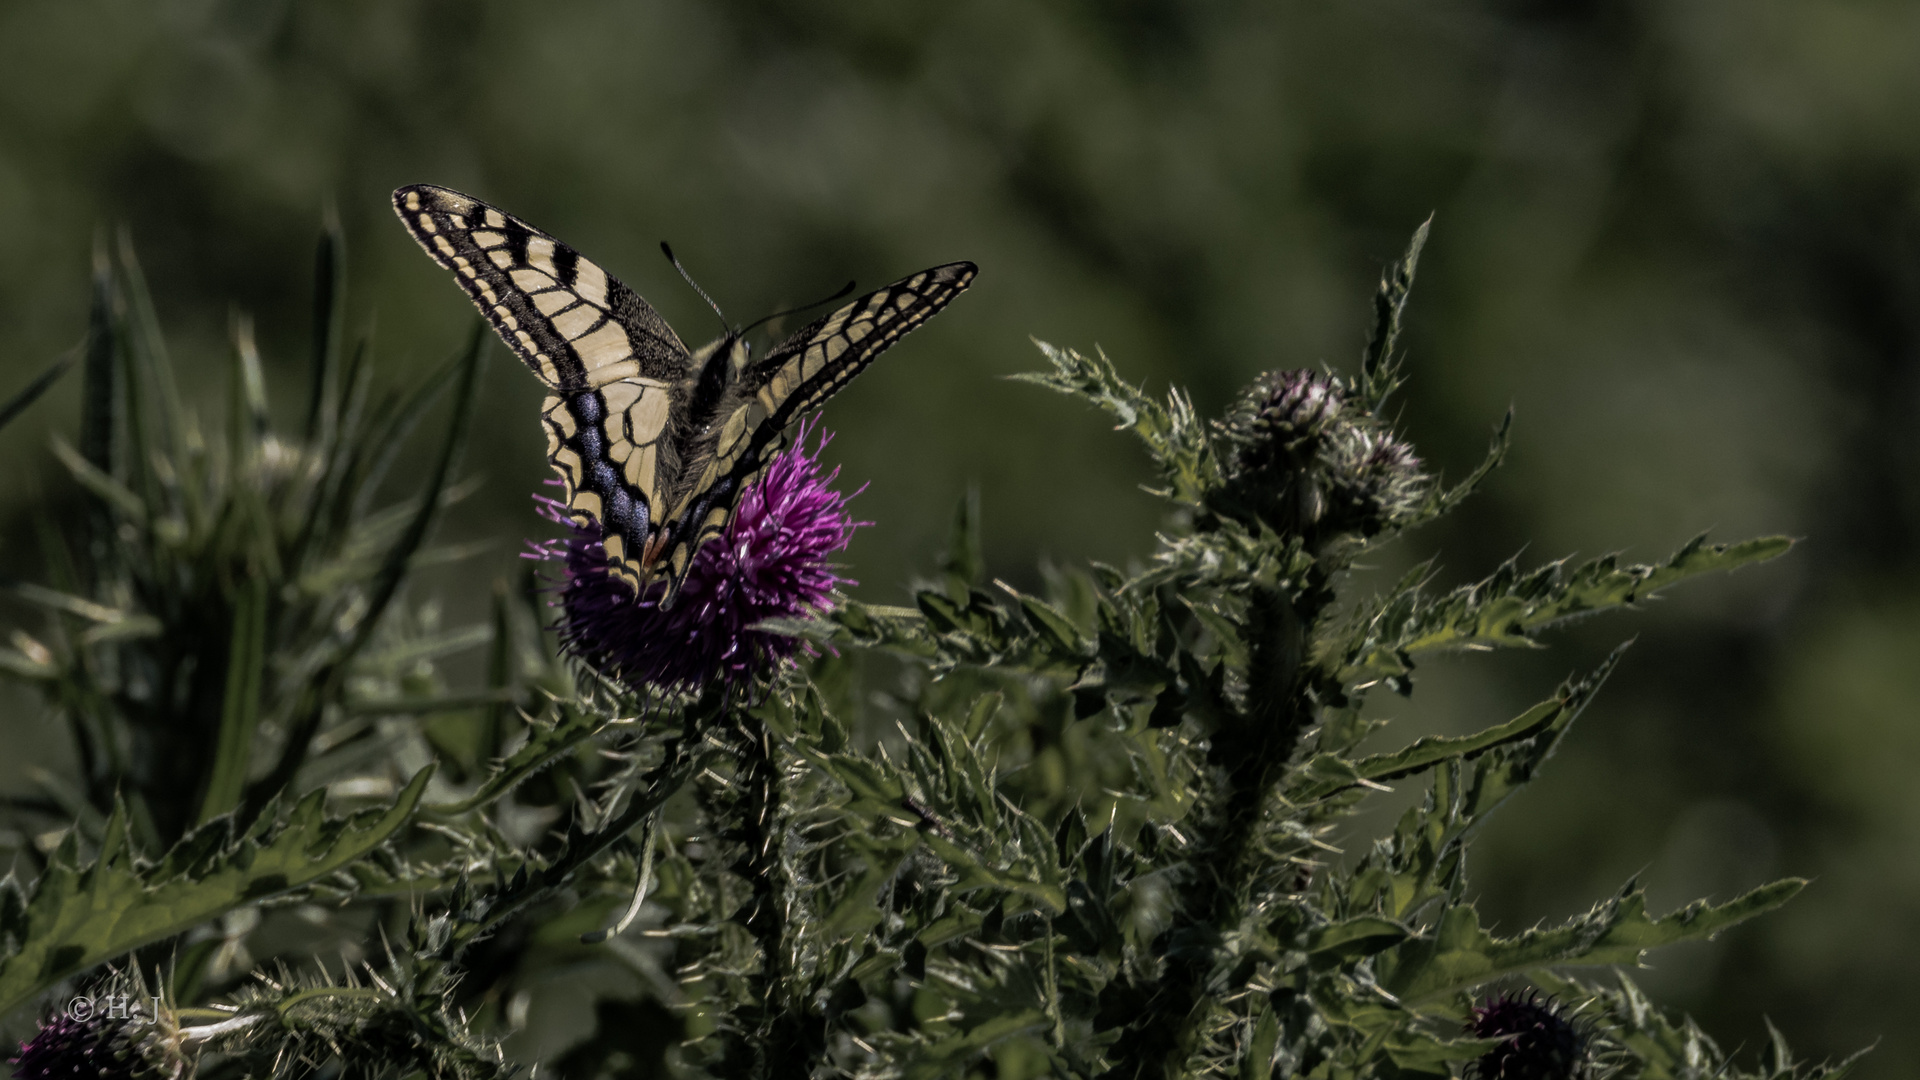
(653, 443)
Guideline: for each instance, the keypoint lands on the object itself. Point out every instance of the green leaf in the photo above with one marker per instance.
(964, 563)
(856, 911)
(1379, 367)
(76, 916)
(1552, 715)
(1460, 954)
(1175, 437)
(976, 874)
(545, 744)
(943, 1058)
(852, 624)
(1508, 608)
(109, 490)
(1257, 1064)
(159, 401)
(1361, 936)
(329, 327)
(1057, 631)
(1417, 1052)
(102, 397)
(240, 708)
(54, 600)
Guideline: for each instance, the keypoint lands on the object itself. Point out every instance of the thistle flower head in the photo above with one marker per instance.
(1373, 481)
(1542, 1041)
(115, 1034)
(1303, 460)
(1280, 415)
(772, 562)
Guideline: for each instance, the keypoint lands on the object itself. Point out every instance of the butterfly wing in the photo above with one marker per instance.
(620, 377)
(749, 425)
(573, 323)
(653, 445)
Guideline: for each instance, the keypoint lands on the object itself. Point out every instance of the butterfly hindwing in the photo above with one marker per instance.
(653, 443)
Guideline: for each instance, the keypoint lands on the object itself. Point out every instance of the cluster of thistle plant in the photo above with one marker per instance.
(993, 834)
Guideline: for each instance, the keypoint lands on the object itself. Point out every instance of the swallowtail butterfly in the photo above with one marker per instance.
(653, 442)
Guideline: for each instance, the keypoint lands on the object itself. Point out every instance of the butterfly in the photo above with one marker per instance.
(654, 443)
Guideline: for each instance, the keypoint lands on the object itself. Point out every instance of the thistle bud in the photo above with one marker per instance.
(1373, 481)
(1280, 417)
(1301, 458)
(1542, 1042)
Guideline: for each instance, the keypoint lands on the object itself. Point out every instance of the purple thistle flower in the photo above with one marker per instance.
(97, 1044)
(771, 563)
(68, 1047)
(1542, 1042)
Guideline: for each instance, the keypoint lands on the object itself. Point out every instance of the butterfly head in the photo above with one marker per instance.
(731, 346)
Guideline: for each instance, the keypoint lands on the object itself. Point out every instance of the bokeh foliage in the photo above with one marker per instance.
(1679, 237)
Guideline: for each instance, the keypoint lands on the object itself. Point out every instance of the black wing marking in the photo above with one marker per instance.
(797, 375)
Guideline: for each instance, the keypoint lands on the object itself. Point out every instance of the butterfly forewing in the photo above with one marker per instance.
(653, 445)
(573, 323)
(812, 365)
(618, 372)
(798, 374)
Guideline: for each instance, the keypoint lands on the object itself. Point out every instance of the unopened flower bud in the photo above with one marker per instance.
(1542, 1042)
(1374, 481)
(1280, 417)
(1302, 458)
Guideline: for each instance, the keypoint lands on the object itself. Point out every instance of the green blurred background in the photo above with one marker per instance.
(1680, 238)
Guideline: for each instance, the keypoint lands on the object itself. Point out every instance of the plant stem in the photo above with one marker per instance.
(791, 1038)
(1252, 758)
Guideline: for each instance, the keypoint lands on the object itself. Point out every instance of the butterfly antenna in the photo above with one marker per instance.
(696, 286)
(844, 290)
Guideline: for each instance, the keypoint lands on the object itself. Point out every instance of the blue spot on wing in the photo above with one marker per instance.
(623, 513)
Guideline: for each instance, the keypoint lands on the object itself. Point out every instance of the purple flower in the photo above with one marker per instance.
(771, 563)
(96, 1042)
(1542, 1042)
(68, 1047)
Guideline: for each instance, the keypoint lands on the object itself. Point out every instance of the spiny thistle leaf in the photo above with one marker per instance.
(1379, 366)
(1509, 607)
(1548, 718)
(545, 743)
(78, 914)
(1174, 436)
(1460, 953)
